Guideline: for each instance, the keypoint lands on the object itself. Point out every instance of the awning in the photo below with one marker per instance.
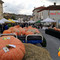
(2, 22)
(11, 21)
(48, 20)
(16, 21)
(5, 20)
(39, 21)
(31, 21)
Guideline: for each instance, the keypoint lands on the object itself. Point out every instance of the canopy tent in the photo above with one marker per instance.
(48, 20)
(11, 20)
(31, 21)
(2, 22)
(5, 20)
(16, 21)
(38, 21)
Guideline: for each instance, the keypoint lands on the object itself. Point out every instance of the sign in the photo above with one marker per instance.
(55, 13)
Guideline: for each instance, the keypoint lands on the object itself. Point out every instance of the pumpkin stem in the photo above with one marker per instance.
(10, 45)
(7, 46)
(59, 48)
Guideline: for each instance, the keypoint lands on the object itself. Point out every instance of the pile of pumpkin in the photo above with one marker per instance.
(57, 29)
(21, 31)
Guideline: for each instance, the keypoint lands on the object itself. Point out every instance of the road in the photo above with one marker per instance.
(53, 45)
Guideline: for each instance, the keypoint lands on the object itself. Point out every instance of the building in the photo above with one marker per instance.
(52, 12)
(1, 9)
(35, 13)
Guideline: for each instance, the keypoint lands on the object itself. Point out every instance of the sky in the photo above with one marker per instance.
(25, 6)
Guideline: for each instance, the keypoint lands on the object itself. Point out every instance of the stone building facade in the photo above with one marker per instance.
(35, 13)
(1, 9)
(52, 11)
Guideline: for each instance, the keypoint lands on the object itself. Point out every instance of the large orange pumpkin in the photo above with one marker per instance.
(30, 27)
(11, 28)
(59, 53)
(16, 53)
(25, 28)
(6, 31)
(58, 29)
(21, 31)
(34, 30)
(37, 31)
(15, 30)
(29, 33)
(17, 26)
(55, 29)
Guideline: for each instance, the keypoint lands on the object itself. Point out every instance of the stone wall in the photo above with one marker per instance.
(1, 11)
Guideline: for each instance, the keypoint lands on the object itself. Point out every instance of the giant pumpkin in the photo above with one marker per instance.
(17, 26)
(55, 29)
(30, 27)
(16, 53)
(34, 30)
(11, 28)
(29, 33)
(15, 30)
(25, 28)
(21, 31)
(58, 29)
(6, 31)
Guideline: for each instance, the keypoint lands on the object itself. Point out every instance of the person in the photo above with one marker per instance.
(6, 27)
(1, 30)
(41, 25)
(9, 25)
(53, 26)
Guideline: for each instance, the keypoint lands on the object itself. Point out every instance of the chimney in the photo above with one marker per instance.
(54, 3)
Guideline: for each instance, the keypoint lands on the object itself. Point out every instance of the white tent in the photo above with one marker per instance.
(48, 20)
(5, 20)
(1, 22)
(31, 21)
(15, 20)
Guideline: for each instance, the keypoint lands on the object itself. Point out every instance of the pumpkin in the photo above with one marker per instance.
(21, 31)
(29, 33)
(25, 28)
(58, 29)
(30, 27)
(34, 30)
(17, 26)
(11, 28)
(59, 53)
(16, 53)
(55, 29)
(15, 30)
(37, 31)
(6, 31)
(15, 33)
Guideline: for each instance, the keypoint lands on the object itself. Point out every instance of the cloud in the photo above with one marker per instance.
(13, 8)
(23, 6)
(52, 1)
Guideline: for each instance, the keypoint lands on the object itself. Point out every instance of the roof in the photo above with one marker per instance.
(39, 8)
(52, 7)
(1, 1)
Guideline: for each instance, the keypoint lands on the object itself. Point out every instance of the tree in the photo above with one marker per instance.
(13, 17)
